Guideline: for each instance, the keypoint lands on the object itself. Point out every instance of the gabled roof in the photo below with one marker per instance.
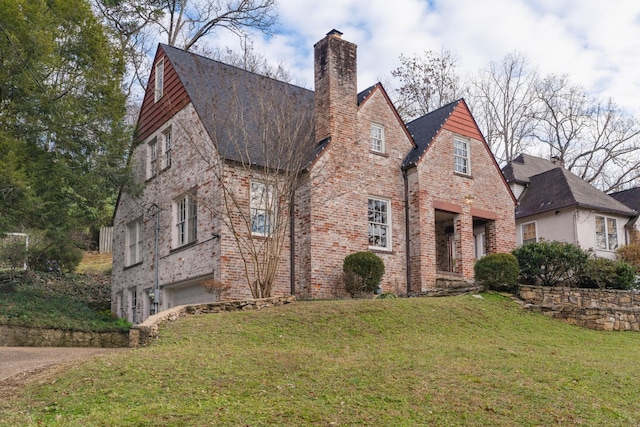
(213, 87)
(630, 198)
(558, 188)
(424, 130)
(524, 166)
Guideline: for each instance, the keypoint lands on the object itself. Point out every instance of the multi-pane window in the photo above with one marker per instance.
(134, 305)
(529, 233)
(134, 242)
(262, 208)
(606, 233)
(153, 157)
(166, 136)
(461, 156)
(159, 88)
(379, 216)
(186, 219)
(377, 138)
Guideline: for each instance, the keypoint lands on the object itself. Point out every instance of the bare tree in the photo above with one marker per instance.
(503, 103)
(595, 140)
(427, 83)
(136, 24)
(260, 141)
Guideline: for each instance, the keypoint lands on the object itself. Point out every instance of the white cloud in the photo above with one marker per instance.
(593, 41)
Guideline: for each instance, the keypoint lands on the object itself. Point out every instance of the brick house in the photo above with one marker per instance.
(427, 196)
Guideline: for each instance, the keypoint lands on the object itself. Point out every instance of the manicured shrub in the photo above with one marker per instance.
(498, 272)
(362, 273)
(630, 254)
(550, 263)
(603, 273)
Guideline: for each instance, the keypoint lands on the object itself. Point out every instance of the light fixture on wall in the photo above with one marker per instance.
(468, 199)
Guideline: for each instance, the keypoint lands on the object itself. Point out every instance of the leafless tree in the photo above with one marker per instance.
(259, 144)
(136, 24)
(503, 103)
(595, 140)
(426, 83)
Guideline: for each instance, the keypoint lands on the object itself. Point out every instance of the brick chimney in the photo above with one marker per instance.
(335, 87)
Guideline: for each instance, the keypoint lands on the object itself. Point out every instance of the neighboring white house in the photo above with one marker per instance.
(631, 198)
(554, 204)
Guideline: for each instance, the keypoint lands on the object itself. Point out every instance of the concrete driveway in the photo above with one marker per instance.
(16, 360)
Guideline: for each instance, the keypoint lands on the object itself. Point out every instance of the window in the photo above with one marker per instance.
(153, 157)
(379, 224)
(167, 148)
(480, 245)
(606, 233)
(461, 156)
(377, 138)
(529, 233)
(262, 208)
(186, 219)
(159, 89)
(134, 242)
(134, 304)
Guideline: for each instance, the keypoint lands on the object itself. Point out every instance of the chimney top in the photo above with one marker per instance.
(556, 160)
(335, 33)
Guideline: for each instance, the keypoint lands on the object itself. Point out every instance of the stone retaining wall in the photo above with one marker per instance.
(24, 336)
(607, 310)
(139, 335)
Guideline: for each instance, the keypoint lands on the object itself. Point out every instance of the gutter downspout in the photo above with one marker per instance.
(406, 229)
(156, 282)
(292, 243)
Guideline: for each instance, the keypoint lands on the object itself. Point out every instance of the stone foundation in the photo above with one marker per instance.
(606, 310)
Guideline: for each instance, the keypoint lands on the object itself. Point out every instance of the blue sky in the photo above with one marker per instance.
(595, 42)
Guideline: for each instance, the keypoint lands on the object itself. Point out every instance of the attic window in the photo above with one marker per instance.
(159, 88)
(377, 138)
(461, 156)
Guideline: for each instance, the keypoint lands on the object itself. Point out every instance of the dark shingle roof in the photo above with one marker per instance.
(558, 188)
(363, 95)
(226, 99)
(630, 197)
(424, 129)
(524, 166)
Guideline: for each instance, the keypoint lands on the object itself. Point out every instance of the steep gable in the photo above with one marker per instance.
(366, 94)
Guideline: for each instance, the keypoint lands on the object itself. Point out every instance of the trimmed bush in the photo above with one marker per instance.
(603, 273)
(498, 272)
(630, 254)
(362, 273)
(550, 263)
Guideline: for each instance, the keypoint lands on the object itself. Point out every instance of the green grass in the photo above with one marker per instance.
(459, 361)
(68, 301)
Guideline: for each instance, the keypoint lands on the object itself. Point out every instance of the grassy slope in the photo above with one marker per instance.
(398, 362)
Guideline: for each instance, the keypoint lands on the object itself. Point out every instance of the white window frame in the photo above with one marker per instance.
(133, 304)
(480, 244)
(186, 219)
(167, 140)
(461, 156)
(535, 229)
(134, 242)
(262, 208)
(609, 236)
(153, 157)
(379, 223)
(377, 138)
(159, 80)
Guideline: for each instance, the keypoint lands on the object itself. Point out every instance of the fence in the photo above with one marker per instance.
(106, 240)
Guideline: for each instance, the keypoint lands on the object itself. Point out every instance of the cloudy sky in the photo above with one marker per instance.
(596, 42)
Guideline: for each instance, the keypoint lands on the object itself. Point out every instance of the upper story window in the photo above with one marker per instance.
(529, 233)
(134, 242)
(159, 88)
(262, 208)
(153, 158)
(461, 156)
(377, 138)
(379, 216)
(186, 209)
(166, 148)
(606, 233)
